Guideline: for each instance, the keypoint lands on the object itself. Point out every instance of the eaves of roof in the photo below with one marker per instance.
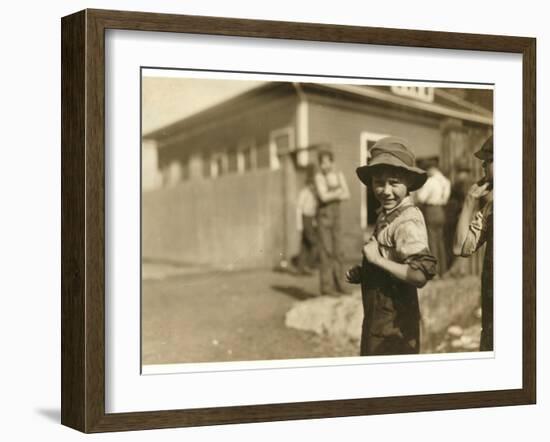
(270, 90)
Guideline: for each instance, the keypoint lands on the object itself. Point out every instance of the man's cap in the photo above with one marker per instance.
(486, 151)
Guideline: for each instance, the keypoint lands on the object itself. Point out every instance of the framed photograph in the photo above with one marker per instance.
(269, 220)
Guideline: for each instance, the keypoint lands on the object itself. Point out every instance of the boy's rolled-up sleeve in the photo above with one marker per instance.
(476, 236)
(411, 246)
(410, 238)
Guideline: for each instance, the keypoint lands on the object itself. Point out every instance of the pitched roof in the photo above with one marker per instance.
(445, 103)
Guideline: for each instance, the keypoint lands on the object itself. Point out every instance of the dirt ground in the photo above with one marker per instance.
(198, 316)
(192, 314)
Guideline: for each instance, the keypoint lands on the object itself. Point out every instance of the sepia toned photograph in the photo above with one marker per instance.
(294, 217)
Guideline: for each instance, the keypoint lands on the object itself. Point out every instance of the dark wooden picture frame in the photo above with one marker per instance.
(83, 220)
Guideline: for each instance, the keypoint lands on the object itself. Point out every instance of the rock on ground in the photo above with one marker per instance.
(338, 318)
(444, 303)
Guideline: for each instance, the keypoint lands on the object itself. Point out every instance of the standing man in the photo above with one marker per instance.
(331, 188)
(475, 228)
(432, 198)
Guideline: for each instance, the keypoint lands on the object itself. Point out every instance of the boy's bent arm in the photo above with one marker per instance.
(325, 195)
(468, 236)
(463, 226)
(404, 272)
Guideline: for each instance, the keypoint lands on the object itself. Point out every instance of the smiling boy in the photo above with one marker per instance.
(396, 260)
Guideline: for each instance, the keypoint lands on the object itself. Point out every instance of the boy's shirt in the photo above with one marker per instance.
(402, 237)
(478, 230)
(327, 185)
(305, 206)
(401, 232)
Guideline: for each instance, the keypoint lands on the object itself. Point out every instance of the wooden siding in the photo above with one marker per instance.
(229, 222)
(342, 127)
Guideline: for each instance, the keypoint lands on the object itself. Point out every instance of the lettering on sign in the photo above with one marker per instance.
(420, 93)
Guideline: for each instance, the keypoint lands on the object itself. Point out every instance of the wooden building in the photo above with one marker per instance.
(221, 185)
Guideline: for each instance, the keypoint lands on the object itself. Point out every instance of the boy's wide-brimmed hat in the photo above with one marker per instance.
(394, 152)
(486, 151)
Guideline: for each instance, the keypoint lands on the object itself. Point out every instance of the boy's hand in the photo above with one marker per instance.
(371, 251)
(478, 191)
(353, 275)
